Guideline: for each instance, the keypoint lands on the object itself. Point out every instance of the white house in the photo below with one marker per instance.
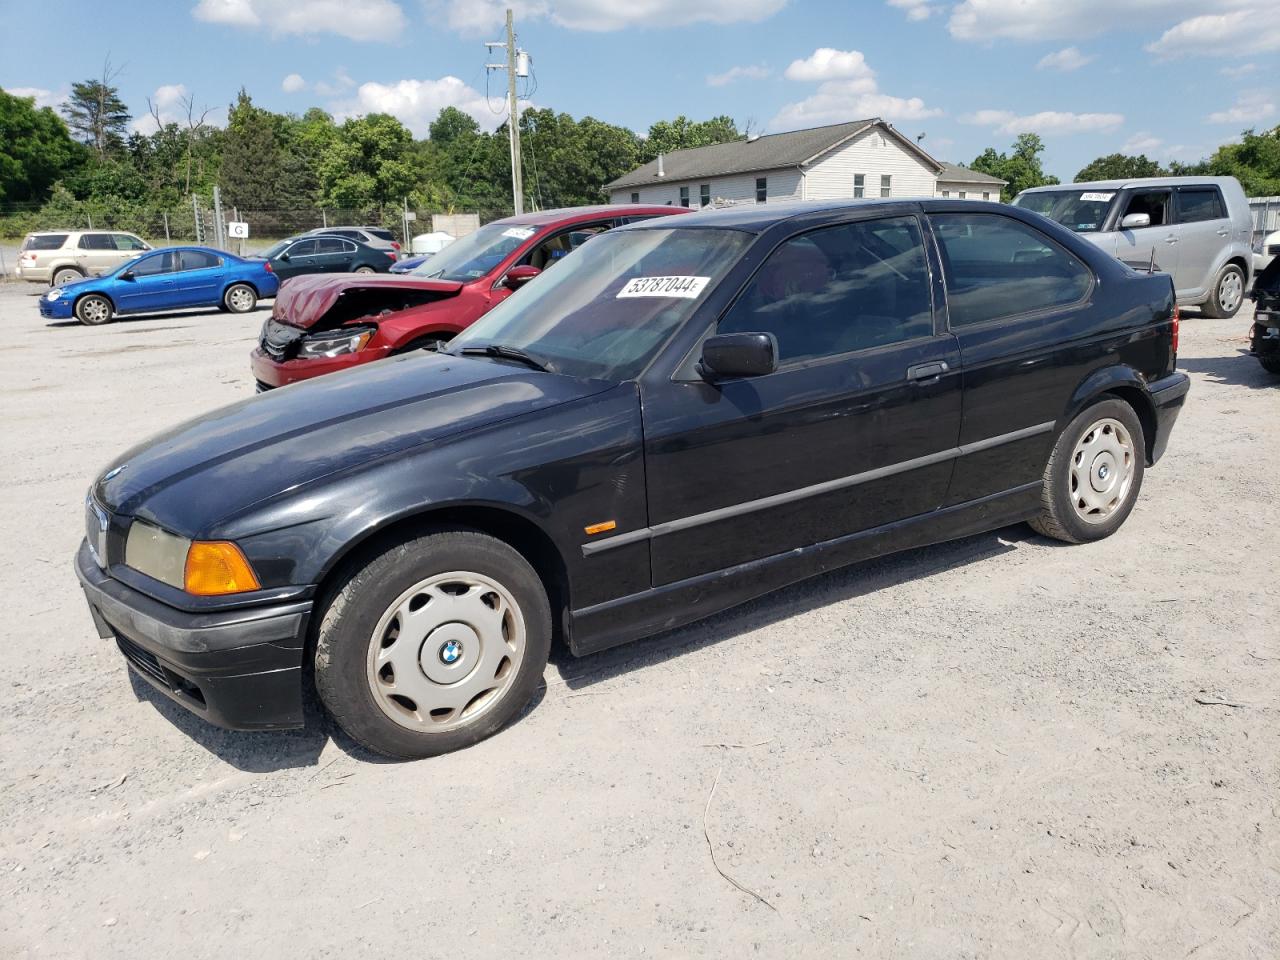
(864, 158)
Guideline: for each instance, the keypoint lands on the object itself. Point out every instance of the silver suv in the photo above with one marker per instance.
(379, 238)
(1197, 229)
(65, 256)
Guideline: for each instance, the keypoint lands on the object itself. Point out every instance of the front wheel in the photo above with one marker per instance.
(1094, 474)
(1227, 295)
(365, 270)
(93, 310)
(240, 298)
(434, 644)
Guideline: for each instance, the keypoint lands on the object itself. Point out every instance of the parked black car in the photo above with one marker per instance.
(1264, 335)
(325, 254)
(686, 414)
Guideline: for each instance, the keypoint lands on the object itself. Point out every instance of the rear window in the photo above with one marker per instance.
(46, 241)
(382, 234)
(1199, 204)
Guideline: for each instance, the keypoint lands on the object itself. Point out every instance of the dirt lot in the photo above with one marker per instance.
(1001, 747)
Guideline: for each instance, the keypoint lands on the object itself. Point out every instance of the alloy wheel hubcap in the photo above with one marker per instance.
(1230, 291)
(445, 651)
(240, 299)
(95, 310)
(1102, 469)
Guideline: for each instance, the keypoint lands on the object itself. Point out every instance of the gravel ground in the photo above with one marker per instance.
(1000, 747)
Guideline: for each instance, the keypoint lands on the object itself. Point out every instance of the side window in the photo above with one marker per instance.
(154, 265)
(348, 247)
(704, 194)
(127, 241)
(1199, 204)
(197, 260)
(997, 267)
(839, 289)
(635, 198)
(330, 245)
(303, 248)
(1154, 203)
(886, 185)
(762, 189)
(684, 196)
(860, 185)
(96, 241)
(560, 245)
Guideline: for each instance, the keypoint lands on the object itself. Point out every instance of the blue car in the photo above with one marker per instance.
(169, 279)
(409, 264)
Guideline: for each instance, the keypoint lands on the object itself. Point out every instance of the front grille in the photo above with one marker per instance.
(279, 341)
(144, 660)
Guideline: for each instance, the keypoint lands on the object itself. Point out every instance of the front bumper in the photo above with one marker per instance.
(239, 669)
(1168, 394)
(270, 373)
(60, 309)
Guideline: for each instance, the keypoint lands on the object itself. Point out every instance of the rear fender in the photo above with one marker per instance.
(1123, 382)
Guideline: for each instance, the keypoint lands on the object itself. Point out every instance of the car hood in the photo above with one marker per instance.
(323, 302)
(219, 465)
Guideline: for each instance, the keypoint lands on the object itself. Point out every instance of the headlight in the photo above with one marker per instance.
(334, 343)
(53, 294)
(203, 568)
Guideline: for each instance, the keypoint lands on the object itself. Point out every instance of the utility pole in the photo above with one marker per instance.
(517, 65)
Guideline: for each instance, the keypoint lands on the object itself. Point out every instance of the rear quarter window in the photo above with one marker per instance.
(382, 234)
(997, 267)
(48, 241)
(1197, 204)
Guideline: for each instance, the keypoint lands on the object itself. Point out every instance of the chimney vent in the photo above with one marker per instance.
(661, 170)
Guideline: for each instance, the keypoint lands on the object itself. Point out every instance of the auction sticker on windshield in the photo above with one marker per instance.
(1099, 197)
(687, 288)
(519, 233)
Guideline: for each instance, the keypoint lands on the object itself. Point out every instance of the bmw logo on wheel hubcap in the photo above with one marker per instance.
(450, 652)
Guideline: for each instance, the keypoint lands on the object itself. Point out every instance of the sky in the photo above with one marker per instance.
(1169, 78)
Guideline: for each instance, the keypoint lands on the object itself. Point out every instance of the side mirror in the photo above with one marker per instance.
(1132, 221)
(127, 275)
(284, 257)
(732, 355)
(517, 277)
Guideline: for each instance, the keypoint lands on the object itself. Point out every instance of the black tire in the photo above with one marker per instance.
(64, 275)
(1059, 517)
(93, 310)
(1270, 364)
(360, 600)
(240, 298)
(1213, 308)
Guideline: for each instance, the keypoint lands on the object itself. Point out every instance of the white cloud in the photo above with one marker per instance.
(1141, 142)
(340, 84)
(916, 9)
(987, 20)
(1249, 108)
(353, 19)
(738, 73)
(1066, 60)
(479, 16)
(1236, 72)
(416, 103)
(1239, 33)
(848, 91)
(42, 97)
(167, 101)
(293, 83)
(1047, 121)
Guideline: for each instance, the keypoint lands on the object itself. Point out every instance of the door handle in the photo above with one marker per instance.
(1224, 233)
(1170, 239)
(924, 372)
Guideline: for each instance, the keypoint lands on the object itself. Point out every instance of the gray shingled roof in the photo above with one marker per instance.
(954, 173)
(744, 156)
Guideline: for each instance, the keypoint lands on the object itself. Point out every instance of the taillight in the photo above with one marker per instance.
(395, 244)
(266, 265)
(29, 257)
(1177, 323)
(391, 254)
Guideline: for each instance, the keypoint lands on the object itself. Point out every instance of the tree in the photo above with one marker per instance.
(1254, 161)
(681, 133)
(1021, 168)
(451, 125)
(95, 111)
(1119, 166)
(368, 161)
(251, 162)
(35, 149)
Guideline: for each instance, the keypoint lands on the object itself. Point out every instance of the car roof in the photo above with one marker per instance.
(541, 218)
(757, 217)
(48, 233)
(1133, 182)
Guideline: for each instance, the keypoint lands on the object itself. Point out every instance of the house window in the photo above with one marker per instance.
(946, 193)
(635, 198)
(704, 194)
(886, 183)
(962, 195)
(762, 189)
(684, 196)
(859, 185)
(985, 195)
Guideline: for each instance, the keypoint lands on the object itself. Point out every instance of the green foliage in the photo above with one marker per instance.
(1254, 161)
(1021, 168)
(35, 149)
(367, 160)
(1118, 166)
(95, 112)
(681, 133)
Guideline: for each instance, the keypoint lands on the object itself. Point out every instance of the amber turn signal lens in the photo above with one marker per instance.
(601, 527)
(218, 567)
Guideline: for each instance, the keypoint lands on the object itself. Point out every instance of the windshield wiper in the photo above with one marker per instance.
(504, 352)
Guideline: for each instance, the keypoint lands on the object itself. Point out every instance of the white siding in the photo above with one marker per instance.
(782, 185)
(971, 191)
(872, 154)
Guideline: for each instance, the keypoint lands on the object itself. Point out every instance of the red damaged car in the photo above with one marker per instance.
(324, 322)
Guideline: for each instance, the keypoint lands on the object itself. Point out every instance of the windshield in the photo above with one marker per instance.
(475, 254)
(1083, 211)
(277, 249)
(606, 311)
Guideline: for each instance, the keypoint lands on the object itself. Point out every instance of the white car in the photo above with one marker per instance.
(1264, 251)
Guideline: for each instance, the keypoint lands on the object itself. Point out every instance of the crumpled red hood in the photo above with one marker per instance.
(303, 301)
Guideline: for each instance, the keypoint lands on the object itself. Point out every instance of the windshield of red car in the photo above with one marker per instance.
(607, 309)
(475, 254)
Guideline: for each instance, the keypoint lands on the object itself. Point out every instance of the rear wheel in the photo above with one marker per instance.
(64, 275)
(433, 645)
(1227, 295)
(93, 310)
(240, 298)
(1270, 364)
(365, 270)
(1094, 474)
